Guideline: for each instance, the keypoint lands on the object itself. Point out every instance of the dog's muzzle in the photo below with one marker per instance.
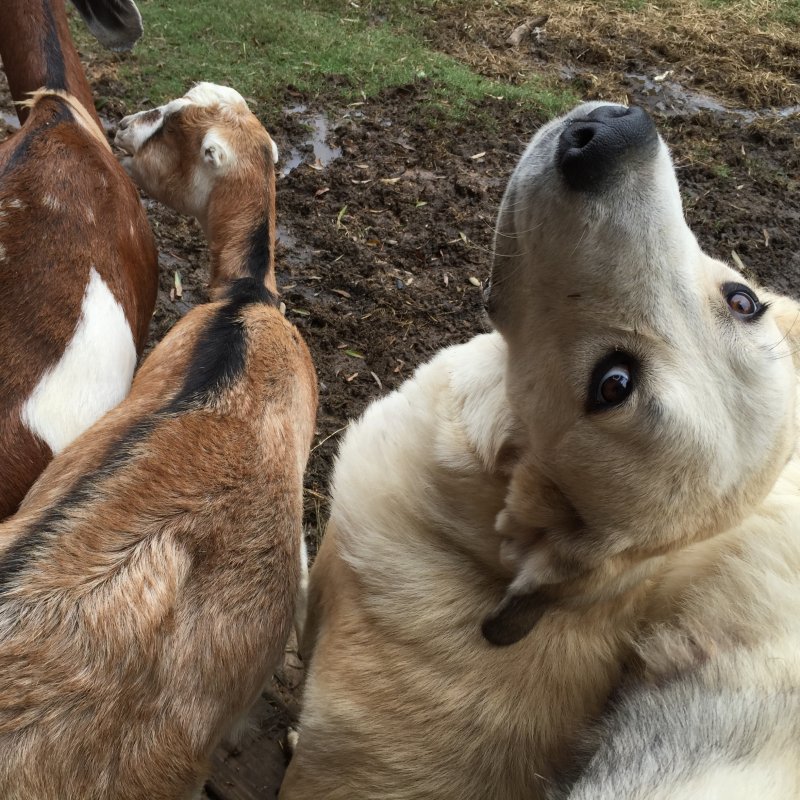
(593, 149)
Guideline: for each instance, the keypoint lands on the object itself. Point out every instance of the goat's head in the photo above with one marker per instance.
(655, 384)
(179, 153)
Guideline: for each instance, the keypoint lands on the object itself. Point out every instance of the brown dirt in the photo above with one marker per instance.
(381, 247)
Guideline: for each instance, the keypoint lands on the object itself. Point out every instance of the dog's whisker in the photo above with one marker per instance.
(785, 335)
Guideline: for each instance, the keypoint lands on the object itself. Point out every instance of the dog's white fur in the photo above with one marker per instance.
(660, 535)
(408, 566)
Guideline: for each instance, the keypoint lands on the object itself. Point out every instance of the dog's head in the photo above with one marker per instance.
(655, 384)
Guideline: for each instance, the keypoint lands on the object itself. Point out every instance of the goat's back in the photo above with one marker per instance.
(78, 275)
(147, 584)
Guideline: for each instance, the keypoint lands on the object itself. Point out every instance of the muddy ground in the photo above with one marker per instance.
(386, 217)
(384, 243)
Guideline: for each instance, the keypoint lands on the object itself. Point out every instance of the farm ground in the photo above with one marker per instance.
(386, 199)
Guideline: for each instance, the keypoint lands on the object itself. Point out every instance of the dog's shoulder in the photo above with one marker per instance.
(446, 426)
(452, 409)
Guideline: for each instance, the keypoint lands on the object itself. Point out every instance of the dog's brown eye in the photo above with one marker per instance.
(615, 386)
(742, 302)
(613, 381)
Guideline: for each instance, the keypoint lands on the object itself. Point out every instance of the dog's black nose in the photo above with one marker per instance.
(591, 149)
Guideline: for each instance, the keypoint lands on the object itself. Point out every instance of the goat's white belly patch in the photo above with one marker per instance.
(92, 376)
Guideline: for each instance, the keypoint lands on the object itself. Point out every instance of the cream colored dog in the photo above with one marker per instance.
(614, 472)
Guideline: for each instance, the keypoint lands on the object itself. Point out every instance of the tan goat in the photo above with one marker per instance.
(202, 154)
(148, 582)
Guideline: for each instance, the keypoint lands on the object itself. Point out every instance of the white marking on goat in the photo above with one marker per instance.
(52, 202)
(2, 252)
(90, 216)
(16, 203)
(202, 184)
(136, 129)
(274, 152)
(211, 94)
(173, 106)
(92, 376)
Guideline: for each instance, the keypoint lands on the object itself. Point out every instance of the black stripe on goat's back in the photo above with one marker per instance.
(220, 353)
(217, 361)
(258, 251)
(29, 134)
(56, 77)
(49, 524)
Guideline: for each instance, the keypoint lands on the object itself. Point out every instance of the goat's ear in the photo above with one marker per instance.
(216, 152)
(214, 156)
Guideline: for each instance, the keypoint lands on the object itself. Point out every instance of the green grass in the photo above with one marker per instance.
(721, 171)
(322, 48)
(788, 13)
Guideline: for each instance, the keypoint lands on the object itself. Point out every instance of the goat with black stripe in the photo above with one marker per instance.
(149, 580)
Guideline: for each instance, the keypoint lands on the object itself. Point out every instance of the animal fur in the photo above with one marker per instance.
(206, 154)
(148, 582)
(595, 543)
(78, 265)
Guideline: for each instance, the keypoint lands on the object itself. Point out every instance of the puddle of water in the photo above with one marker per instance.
(292, 162)
(298, 253)
(789, 111)
(284, 237)
(323, 152)
(671, 99)
(10, 119)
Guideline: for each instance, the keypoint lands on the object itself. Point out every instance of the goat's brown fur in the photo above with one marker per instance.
(148, 581)
(37, 50)
(66, 208)
(207, 155)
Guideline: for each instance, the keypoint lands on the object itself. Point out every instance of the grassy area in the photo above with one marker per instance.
(781, 12)
(337, 50)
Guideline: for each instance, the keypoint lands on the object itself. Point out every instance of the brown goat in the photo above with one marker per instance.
(206, 154)
(148, 582)
(78, 266)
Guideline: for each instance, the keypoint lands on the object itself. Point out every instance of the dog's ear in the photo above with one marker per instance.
(514, 617)
(535, 520)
